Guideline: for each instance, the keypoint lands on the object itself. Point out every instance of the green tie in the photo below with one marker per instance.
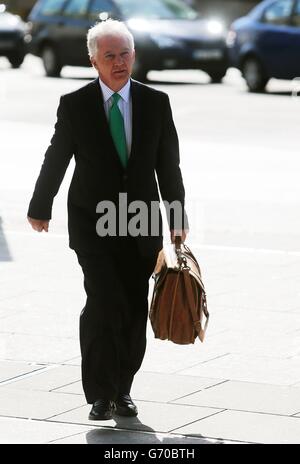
(116, 124)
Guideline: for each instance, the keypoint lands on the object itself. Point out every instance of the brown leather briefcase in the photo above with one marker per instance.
(178, 302)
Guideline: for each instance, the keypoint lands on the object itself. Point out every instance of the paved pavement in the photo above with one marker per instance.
(243, 384)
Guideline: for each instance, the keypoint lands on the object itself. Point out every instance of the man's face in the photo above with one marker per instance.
(114, 61)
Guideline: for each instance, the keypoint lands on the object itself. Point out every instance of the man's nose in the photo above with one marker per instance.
(119, 60)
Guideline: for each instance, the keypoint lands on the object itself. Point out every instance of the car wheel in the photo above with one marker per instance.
(16, 59)
(254, 75)
(139, 71)
(51, 61)
(216, 78)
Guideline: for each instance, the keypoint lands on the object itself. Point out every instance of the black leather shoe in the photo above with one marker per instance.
(102, 410)
(125, 406)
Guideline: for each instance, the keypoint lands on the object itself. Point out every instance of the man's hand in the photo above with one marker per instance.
(181, 233)
(39, 224)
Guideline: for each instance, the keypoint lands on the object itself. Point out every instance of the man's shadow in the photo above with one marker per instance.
(5, 254)
(130, 430)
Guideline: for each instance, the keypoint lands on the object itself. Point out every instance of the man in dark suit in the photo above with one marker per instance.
(120, 132)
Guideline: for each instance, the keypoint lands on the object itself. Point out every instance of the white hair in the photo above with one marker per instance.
(107, 28)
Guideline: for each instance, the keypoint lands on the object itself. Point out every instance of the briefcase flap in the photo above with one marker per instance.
(167, 258)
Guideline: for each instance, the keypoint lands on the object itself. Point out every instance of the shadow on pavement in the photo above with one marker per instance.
(135, 432)
(5, 254)
(286, 93)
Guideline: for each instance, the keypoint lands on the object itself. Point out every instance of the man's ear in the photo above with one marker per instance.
(93, 63)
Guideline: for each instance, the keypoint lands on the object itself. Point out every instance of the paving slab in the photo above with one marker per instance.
(246, 396)
(10, 370)
(247, 426)
(149, 386)
(37, 348)
(248, 299)
(153, 417)
(262, 341)
(76, 361)
(163, 356)
(36, 404)
(256, 369)
(164, 388)
(22, 431)
(49, 379)
(41, 301)
(260, 322)
(74, 388)
(44, 322)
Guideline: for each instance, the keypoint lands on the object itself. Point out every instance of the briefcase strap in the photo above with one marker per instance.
(197, 323)
(173, 303)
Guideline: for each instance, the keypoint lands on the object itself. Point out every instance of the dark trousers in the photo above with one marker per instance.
(113, 321)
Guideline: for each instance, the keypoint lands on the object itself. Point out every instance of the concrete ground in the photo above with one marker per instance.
(243, 384)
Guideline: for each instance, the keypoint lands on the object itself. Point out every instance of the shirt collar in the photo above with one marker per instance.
(124, 92)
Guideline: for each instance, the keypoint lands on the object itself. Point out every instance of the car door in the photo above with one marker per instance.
(274, 40)
(74, 26)
(45, 19)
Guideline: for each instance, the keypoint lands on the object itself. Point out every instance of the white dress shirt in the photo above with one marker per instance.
(125, 106)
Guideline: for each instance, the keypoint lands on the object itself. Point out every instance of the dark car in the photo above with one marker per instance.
(266, 43)
(168, 34)
(12, 37)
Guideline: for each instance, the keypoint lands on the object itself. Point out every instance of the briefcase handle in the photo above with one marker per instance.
(182, 263)
(178, 243)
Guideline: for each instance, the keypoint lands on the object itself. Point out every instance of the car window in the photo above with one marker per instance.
(279, 12)
(52, 7)
(296, 15)
(156, 9)
(76, 8)
(100, 6)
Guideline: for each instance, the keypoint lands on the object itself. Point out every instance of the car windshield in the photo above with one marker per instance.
(156, 9)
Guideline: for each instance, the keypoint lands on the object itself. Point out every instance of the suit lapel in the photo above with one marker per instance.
(136, 120)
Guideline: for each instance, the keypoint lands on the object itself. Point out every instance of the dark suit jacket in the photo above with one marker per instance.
(82, 130)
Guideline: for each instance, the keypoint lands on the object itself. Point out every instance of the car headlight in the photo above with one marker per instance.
(215, 27)
(165, 41)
